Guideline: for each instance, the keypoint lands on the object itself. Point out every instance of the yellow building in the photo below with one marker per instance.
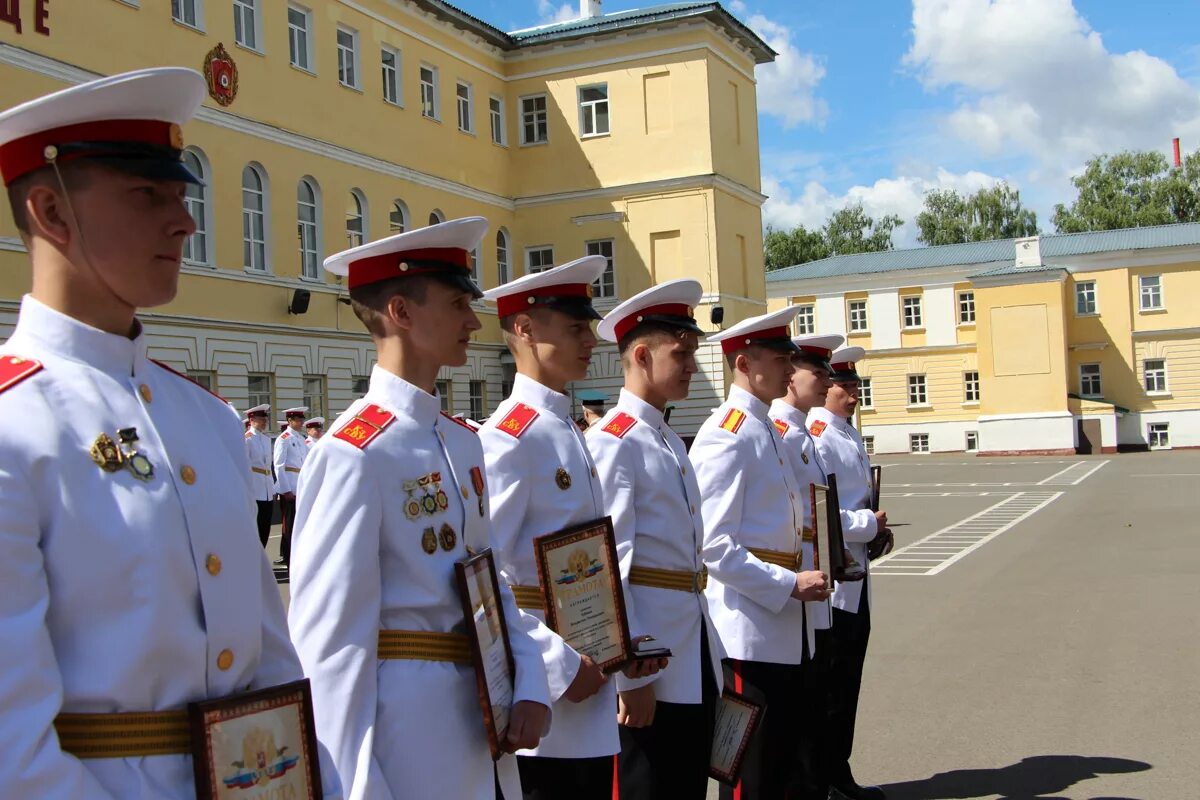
(331, 122)
(1082, 342)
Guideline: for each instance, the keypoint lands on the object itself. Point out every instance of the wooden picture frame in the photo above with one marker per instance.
(840, 571)
(491, 652)
(737, 718)
(876, 485)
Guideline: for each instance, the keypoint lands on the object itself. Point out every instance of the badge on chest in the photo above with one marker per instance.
(432, 498)
(111, 458)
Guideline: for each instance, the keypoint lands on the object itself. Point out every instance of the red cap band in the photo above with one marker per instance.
(629, 323)
(823, 352)
(843, 366)
(394, 265)
(519, 301)
(735, 343)
(22, 156)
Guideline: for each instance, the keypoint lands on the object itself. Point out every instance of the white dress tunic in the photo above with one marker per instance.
(260, 454)
(362, 560)
(120, 594)
(289, 455)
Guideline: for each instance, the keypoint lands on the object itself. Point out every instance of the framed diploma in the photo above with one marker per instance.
(876, 484)
(495, 670)
(737, 720)
(581, 588)
(839, 570)
(258, 744)
(822, 548)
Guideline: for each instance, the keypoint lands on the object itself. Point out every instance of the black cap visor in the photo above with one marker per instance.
(783, 345)
(683, 323)
(812, 360)
(845, 376)
(574, 307)
(132, 158)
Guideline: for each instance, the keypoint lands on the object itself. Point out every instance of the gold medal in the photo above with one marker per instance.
(429, 541)
(137, 462)
(562, 479)
(105, 453)
(448, 537)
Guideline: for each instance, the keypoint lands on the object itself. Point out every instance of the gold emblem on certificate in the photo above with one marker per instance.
(495, 669)
(736, 721)
(581, 584)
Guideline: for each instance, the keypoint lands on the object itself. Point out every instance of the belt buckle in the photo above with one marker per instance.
(700, 580)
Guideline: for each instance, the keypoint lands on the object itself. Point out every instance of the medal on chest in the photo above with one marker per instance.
(433, 497)
(477, 483)
(562, 479)
(137, 462)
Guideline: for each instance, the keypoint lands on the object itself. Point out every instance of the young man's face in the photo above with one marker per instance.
(442, 325)
(295, 423)
(314, 432)
(672, 365)
(563, 343)
(768, 371)
(843, 398)
(809, 384)
(258, 423)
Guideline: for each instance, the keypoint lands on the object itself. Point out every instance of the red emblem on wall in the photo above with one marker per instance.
(221, 74)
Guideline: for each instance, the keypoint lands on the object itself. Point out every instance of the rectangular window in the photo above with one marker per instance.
(188, 12)
(866, 400)
(347, 52)
(258, 390)
(966, 308)
(477, 396)
(1154, 375)
(206, 379)
(1089, 380)
(466, 107)
(359, 386)
(443, 390)
(300, 37)
(916, 390)
(496, 114)
(1151, 292)
(314, 395)
(972, 441)
(918, 443)
(857, 311)
(912, 312)
(429, 88)
(971, 387)
(806, 320)
(538, 259)
(245, 23)
(1085, 298)
(1158, 435)
(869, 445)
(606, 284)
(389, 61)
(535, 125)
(593, 110)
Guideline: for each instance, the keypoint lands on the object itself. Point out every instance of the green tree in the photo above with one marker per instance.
(994, 212)
(852, 231)
(1132, 189)
(797, 246)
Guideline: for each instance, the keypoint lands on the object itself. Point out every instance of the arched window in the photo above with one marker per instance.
(398, 218)
(307, 226)
(503, 247)
(356, 218)
(197, 248)
(254, 218)
(436, 217)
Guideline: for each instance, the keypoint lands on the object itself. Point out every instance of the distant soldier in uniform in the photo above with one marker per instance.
(314, 428)
(542, 480)
(387, 504)
(753, 521)
(807, 388)
(842, 453)
(262, 482)
(131, 584)
(593, 403)
(289, 459)
(651, 492)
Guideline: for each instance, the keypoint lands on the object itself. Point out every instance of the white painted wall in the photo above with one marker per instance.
(883, 309)
(941, 317)
(1027, 432)
(831, 314)
(943, 436)
(1108, 428)
(1184, 430)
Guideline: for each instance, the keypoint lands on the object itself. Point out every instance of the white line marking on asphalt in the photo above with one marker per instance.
(1166, 475)
(1055, 475)
(1061, 478)
(1047, 501)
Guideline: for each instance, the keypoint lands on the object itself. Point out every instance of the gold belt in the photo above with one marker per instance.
(291, 469)
(528, 597)
(260, 470)
(124, 735)
(677, 579)
(785, 560)
(425, 646)
(809, 535)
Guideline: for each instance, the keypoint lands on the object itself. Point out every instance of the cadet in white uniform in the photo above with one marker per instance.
(388, 502)
(542, 479)
(651, 492)
(314, 427)
(753, 521)
(807, 388)
(289, 459)
(259, 453)
(131, 583)
(842, 453)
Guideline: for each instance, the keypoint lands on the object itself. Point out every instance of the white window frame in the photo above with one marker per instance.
(538, 248)
(294, 32)
(263, 215)
(430, 108)
(347, 58)
(359, 384)
(866, 394)
(197, 13)
(912, 314)
(1158, 435)
(806, 320)
(503, 257)
(445, 389)
(314, 400)
(465, 105)
(242, 9)
(201, 209)
(259, 397)
(392, 77)
(971, 442)
(869, 444)
(589, 110)
(1086, 290)
(966, 308)
(1099, 379)
(536, 118)
(866, 319)
(401, 208)
(971, 387)
(497, 121)
(1159, 374)
(436, 217)
(473, 262)
(918, 443)
(309, 256)
(1156, 293)
(477, 402)
(358, 200)
(918, 390)
(604, 287)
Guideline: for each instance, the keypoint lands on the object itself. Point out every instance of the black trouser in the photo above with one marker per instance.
(563, 778)
(769, 764)
(813, 778)
(287, 510)
(266, 509)
(670, 757)
(850, 635)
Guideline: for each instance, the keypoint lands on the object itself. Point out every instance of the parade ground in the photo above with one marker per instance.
(1035, 630)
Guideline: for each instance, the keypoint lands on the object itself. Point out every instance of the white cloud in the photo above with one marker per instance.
(1033, 78)
(549, 13)
(787, 87)
(737, 7)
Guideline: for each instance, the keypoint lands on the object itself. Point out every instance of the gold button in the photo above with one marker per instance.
(145, 392)
(225, 660)
(464, 491)
(212, 564)
(781, 462)
(683, 470)
(188, 474)
(595, 474)
(693, 508)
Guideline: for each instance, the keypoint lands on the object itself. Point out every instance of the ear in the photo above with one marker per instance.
(523, 328)
(399, 312)
(45, 208)
(741, 363)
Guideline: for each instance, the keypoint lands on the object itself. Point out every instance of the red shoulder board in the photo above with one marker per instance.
(248, 435)
(781, 426)
(174, 371)
(733, 420)
(817, 428)
(518, 420)
(620, 425)
(285, 435)
(14, 369)
(365, 426)
(459, 422)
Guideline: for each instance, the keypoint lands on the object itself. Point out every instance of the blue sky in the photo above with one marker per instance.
(878, 101)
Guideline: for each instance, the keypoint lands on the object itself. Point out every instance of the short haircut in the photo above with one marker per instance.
(649, 330)
(753, 350)
(535, 312)
(74, 175)
(369, 302)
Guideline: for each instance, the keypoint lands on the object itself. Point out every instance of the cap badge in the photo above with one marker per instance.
(50, 153)
(176, 135)
(562, 479)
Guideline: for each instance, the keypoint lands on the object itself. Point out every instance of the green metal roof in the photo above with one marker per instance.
(994, 257)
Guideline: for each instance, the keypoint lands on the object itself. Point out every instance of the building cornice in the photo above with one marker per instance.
(964, 347)
(931, 278)
(1167, 333)
(665, 185)
(1043, 275)
(1126, 259)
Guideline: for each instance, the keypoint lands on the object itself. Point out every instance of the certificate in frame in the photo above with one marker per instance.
(491, 653)
(737, 719)
(839, 570)
(876, 485)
